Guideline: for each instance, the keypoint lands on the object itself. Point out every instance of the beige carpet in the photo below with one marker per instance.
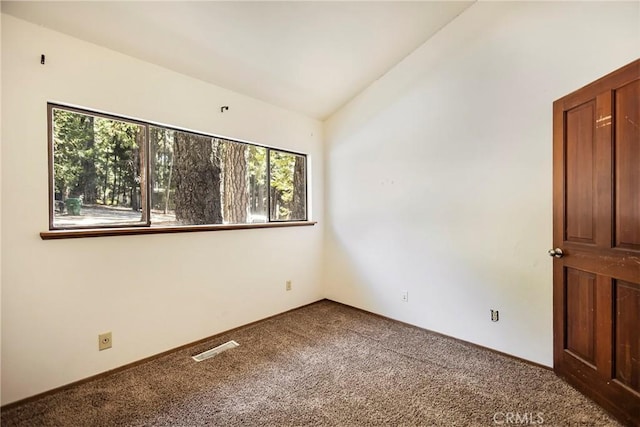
(323, 365)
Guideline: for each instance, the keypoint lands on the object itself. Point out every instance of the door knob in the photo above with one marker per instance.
(557, 252)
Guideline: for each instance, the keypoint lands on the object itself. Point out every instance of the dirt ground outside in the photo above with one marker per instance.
(96, 215)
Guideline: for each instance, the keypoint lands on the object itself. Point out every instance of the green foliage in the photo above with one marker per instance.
(282, 184)
(282, 175)
(70, 144)
(96, 159)
(257, 164)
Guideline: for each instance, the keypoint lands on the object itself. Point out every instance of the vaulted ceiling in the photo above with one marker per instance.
(310, 57)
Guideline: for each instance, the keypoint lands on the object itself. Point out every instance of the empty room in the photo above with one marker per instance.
(231, 213)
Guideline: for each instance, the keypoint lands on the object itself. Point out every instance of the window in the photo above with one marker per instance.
(108, 171)
(287, 189)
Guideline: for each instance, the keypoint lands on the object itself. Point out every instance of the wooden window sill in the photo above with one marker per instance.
(128, 231)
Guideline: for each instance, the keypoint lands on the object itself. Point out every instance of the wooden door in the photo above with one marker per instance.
(596, 225)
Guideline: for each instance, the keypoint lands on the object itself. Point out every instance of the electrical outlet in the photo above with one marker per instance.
(288, 285)
(104, 341)
(405, 296)
(495, 315)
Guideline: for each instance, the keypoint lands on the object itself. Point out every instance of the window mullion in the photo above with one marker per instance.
(268, 184)
(146, 176)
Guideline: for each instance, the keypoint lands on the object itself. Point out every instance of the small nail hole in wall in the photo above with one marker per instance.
(42, 59)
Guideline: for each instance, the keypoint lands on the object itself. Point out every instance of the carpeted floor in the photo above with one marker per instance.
(323, 365)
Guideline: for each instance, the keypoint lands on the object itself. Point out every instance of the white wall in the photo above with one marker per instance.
(0, 210)
(439, 174)
(155, 292)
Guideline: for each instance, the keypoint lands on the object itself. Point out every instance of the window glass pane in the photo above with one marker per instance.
(257, 184)
(185, 178)
(161, 176)
(244, 170)
(202, 178)
(98, 170)
(287, 187)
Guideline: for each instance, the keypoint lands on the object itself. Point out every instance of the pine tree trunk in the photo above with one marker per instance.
(114, 188)
(116, 171)
(236, 197)
(137, 171)
(106, 181)
(167, 191)
(197, 177)
(89, 177)
(274, 204)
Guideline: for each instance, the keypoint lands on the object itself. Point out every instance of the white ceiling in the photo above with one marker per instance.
(310, 57)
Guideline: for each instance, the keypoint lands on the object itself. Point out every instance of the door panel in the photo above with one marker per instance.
(627, 338)
(596, 187)
(627, 150)
(580, 325)
(580, 226)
